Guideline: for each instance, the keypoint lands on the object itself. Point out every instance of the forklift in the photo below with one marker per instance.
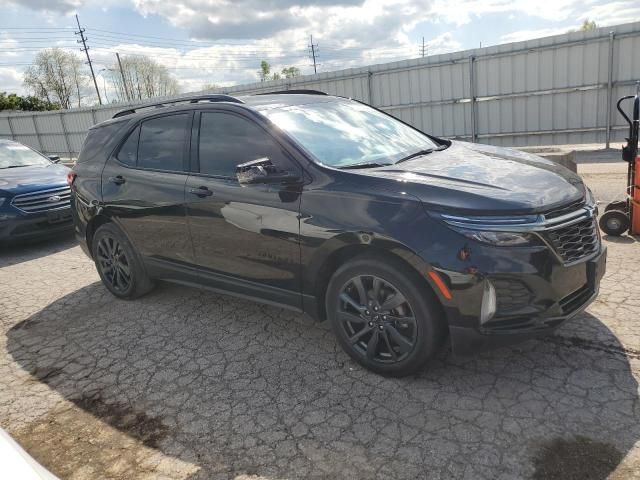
(624, 215)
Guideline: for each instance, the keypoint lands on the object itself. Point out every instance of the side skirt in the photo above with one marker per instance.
(191, 276)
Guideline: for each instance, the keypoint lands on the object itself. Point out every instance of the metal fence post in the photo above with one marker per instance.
(13, 135)
(472, 95)
(369, 87)
(609, 89)
(66, 136)
(35, 129)
(93, 116)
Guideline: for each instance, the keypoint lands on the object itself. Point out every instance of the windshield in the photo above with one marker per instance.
(342, 133)
(14, 155)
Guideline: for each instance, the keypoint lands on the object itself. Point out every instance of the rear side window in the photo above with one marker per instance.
(128, 153)
(228, 140)
(93, 148)
(162, 141)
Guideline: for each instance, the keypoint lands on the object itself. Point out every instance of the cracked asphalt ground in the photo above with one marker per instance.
(186, 383)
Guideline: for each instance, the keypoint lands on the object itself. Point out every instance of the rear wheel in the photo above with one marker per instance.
(119, 266)
(383, 317)
(614, 222)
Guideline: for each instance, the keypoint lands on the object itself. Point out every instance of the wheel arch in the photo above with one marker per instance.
(337, 251)
(96, 222)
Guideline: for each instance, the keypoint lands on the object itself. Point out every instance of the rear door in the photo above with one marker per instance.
(143, 188)
(245, 239)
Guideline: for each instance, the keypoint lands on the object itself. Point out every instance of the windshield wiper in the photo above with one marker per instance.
(420, 153)
(365, 165)
(16, 166)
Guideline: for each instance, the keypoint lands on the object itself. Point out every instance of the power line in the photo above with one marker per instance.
(86, 50)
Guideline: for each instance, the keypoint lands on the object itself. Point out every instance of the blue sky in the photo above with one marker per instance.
(223, 41)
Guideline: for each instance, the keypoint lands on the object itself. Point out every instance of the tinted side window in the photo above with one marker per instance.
(128, 153)
(93, 147)
(227, 140)
(161, 144)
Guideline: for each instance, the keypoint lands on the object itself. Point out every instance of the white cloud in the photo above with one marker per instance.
(11, 80)
(462, 12)
(522, 35)
(612, 13)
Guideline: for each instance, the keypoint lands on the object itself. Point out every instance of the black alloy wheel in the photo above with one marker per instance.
(384, 315)
(377, 318)
(118, 263)
(113, 264)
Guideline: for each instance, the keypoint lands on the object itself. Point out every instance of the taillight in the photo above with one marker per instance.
(71, 176)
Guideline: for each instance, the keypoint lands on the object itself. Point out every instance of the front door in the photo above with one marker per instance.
(245, 238)
(143, 188)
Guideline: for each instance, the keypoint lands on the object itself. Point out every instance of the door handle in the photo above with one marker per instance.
(201, 192)
(118, 180)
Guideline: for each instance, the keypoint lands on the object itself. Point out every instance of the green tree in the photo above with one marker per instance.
(13, 101)
(588, 25)
(290, 72)
(265, 71)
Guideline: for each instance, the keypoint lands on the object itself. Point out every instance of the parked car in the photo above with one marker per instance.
(34, 194)
(328, 206)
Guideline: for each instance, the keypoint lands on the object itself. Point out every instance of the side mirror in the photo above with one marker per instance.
(262, 171)
(54, 158)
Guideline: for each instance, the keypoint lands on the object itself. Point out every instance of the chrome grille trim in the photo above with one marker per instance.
(521, 223)
(41, 200)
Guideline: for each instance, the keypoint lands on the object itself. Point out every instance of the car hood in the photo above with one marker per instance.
(28, 179)
(484, 179)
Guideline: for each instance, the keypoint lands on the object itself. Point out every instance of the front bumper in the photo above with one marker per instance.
(18, 227)
(554, 294)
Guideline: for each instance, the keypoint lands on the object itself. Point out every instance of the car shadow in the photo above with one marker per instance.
(622, 239)
(14, 254)
(240, 388)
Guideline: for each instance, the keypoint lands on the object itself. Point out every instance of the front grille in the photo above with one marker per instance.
(511, 294)
(576, 241)
(43, 200)
(558, 212)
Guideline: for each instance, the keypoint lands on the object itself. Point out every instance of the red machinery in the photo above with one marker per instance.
(624, 215)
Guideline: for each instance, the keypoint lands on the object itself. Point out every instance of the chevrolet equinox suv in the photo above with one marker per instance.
(330, 207)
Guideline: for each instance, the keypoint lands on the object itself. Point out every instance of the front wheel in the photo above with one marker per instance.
(384, 317)
(118, 265)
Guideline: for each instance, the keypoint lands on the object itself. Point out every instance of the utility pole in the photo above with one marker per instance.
(313, 53)
(83, 40)
(124, 81)
(423, 49)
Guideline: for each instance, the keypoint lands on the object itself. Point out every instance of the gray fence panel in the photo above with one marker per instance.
(546, 91)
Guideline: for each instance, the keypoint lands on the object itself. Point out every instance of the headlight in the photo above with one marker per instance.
(504, 239)
(2, 200)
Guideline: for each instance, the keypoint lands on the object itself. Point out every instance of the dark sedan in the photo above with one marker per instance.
(34, 195)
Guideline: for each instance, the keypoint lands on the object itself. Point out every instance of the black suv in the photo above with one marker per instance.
(328, 206)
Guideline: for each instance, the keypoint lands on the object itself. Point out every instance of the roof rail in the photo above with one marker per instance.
(194, 99)
(295, 92)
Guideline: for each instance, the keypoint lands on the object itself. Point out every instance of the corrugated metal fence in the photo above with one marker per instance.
(553, 90)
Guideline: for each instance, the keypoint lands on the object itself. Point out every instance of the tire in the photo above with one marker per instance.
(620, 205)
(614, 222)
(118, 264)
(406, 336)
